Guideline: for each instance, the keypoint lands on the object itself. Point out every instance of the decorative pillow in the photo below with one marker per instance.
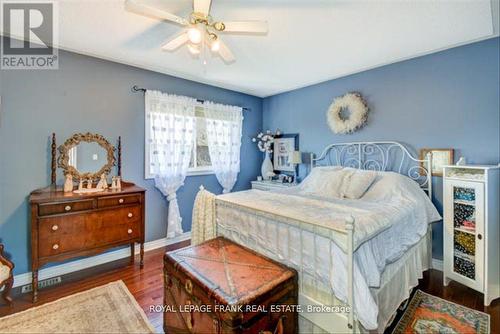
(357, 182)
(324, 182)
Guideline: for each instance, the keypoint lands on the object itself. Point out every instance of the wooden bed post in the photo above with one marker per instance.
(349, 226)
(53, 166)
(120, 156)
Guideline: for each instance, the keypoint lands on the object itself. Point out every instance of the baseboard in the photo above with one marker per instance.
(66, 268)
(437, 264)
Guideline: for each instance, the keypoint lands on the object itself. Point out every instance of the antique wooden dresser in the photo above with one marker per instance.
(83, 222)
(221, 287)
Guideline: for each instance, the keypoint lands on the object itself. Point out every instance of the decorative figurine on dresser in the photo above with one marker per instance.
(69, 221)
(472, 228)
(6, 276)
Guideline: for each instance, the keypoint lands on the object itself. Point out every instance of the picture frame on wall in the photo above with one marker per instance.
(284, 145)
(440, 157)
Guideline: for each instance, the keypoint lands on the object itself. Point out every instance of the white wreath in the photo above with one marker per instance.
(359, 113)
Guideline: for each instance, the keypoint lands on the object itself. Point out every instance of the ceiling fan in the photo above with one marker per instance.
(202, 30)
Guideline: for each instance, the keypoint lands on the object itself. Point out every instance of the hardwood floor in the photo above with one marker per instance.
(147, 287)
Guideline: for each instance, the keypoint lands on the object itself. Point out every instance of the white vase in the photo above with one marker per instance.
(267, 167)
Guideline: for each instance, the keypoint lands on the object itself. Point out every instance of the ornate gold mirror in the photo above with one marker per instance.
(86, 156)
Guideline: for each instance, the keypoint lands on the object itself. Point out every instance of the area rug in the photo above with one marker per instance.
(110, 308)
(430, 314)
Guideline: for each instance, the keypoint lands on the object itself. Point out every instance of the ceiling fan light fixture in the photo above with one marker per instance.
(194, 35)
(215, 46)
(200, 34)
(193, 49)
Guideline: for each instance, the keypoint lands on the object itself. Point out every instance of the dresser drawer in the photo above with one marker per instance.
(78, 232)
(108, 201)
(64, 207)
(120, 224)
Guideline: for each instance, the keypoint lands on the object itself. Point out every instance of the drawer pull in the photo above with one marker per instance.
(130, 215)
(56, 246)
(55, 228)
(67, 208)
(129, 231)
(189, 286)
(120, 200)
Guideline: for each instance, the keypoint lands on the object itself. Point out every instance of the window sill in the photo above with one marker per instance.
(200, 172)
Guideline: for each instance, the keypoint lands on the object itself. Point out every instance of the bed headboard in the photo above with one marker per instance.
(378, 156)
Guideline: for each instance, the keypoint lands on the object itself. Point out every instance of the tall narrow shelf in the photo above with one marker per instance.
(471, 228)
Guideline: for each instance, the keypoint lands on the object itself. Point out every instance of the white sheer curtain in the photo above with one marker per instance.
(172, 125)
(224, 125)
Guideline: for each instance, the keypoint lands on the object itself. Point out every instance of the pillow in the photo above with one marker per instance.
(324, 182)
(390, 184)
(357, 182)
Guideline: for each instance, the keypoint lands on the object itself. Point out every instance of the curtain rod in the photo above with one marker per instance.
(137, 89)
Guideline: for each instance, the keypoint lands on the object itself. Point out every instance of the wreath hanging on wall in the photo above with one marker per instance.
(356, 105)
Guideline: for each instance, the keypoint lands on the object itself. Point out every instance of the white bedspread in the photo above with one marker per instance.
(391, 217)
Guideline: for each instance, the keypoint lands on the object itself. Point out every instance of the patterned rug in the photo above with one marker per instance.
(429, 314)
(110, 308)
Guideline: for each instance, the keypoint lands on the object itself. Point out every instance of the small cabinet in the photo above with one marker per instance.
(471, 231)
(464, 217)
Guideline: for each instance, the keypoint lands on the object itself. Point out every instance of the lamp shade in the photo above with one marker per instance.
(296, 157)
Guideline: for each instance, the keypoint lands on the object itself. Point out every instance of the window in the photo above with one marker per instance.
(200, 163)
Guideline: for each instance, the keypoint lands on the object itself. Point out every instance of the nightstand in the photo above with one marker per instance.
(270, 185)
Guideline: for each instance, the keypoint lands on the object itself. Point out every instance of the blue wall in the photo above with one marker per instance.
(447, 99)
(88, 94)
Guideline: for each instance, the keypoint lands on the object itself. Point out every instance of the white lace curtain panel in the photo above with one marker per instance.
(224, 127)
(172, 127)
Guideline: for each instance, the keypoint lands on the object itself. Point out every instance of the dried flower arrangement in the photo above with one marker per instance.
(265, 140)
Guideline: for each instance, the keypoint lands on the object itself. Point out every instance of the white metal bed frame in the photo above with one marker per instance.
(376, 156)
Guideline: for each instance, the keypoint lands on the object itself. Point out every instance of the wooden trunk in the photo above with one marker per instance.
(222, 287)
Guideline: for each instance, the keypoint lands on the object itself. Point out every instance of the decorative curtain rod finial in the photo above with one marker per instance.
(136, 89)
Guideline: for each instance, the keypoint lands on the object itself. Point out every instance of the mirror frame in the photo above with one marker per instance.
(63, 159)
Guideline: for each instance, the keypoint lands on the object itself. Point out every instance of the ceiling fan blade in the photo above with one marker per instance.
(243, 26)
(202, 6)
(141, 9)
(176, 42)
(225, 53)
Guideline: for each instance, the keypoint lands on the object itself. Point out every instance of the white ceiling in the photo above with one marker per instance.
(309, 41)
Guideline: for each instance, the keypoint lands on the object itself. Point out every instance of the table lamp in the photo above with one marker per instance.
(296, 159)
